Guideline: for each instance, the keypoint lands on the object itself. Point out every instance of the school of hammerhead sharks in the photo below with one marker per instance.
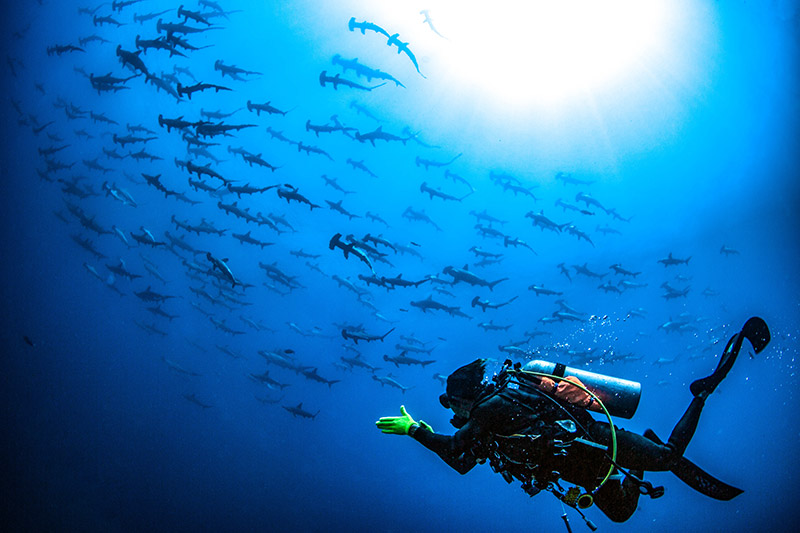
(221, 207)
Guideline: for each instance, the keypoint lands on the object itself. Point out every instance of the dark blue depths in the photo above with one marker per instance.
(117, 418)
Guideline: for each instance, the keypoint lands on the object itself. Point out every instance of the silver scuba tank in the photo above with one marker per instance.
(620, 396)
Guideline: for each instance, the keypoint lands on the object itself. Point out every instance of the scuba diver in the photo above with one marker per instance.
(532, 424)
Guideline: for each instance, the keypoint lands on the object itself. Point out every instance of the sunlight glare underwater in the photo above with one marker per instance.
(551, 52)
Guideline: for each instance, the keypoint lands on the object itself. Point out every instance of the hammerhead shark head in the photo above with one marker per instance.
(364, 26)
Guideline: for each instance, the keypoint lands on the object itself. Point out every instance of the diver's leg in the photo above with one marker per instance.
(642, 453)
(633, 450)
(756, 331)
(685, 428)
(695, 477)
(702, 388)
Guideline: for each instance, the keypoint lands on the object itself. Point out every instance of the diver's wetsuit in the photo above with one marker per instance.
(527, 434)
(521, 427)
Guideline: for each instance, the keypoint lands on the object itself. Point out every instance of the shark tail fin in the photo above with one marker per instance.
(493, 283)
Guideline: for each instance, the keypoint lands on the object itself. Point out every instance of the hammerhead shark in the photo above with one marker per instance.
(338, 80)
(364, 26)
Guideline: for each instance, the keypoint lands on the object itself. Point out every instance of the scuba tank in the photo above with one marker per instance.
(620, 396)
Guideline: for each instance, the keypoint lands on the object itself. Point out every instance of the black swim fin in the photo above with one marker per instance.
(703, 482)
(705, 386)
(756, 331)
(697, 478)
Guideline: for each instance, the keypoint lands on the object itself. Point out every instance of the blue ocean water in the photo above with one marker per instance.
(692, 151)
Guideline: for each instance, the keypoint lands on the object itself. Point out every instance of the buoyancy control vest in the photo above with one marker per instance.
(540, 432)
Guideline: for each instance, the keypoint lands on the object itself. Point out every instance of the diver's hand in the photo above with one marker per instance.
(396, 425)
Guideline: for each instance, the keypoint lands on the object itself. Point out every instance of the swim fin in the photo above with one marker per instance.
(703, 482)
(705, 386)
(697, 478)
(756, 331)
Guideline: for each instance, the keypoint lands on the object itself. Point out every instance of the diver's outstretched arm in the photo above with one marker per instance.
(453, 450)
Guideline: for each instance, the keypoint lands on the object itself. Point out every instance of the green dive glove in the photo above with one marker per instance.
(399, 425)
